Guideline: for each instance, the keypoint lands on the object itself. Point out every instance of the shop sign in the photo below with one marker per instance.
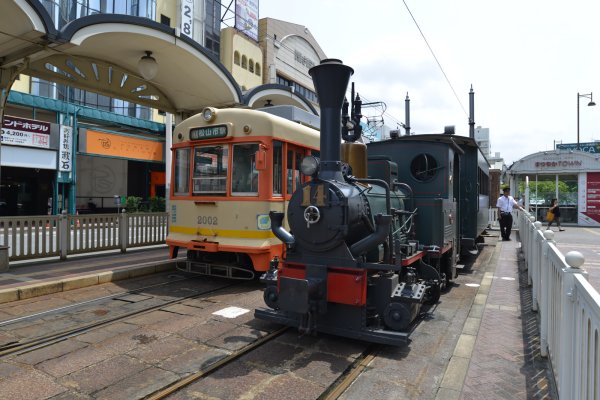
(590, 147)
(109, 144)
(65, 149)
(246, 17)
(25, 132)
(558, 164)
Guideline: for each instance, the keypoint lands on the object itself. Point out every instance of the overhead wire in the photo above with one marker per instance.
(435, 57)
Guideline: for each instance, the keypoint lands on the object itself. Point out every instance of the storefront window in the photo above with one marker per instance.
(544, 188)
(210, 170)
(567, 197)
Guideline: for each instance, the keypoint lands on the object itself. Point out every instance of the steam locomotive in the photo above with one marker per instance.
(349, 267)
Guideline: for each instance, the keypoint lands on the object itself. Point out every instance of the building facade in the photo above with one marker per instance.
(93, 148)
(482, 137)
(571, 176)
(289, 51)
(75, 150)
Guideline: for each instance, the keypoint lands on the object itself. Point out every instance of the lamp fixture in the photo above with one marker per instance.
(591, 103)
(148, 66)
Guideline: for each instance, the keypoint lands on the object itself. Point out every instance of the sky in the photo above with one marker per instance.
(526, 61)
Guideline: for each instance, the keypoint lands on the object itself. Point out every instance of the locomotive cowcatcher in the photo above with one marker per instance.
(349, 267)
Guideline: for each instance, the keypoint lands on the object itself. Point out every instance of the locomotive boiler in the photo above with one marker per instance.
(349, 268)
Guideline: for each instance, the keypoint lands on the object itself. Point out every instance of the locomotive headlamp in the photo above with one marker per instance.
(309, 165)
(209, 114)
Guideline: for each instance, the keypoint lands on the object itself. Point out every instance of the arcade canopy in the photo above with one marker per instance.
(101, 52)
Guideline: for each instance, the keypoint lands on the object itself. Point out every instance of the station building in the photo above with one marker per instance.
(66, 148)
(572, 176)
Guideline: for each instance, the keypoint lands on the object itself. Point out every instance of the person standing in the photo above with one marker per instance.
(505, 205)
(555, 209)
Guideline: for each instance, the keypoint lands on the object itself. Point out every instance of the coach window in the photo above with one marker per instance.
(423, 167)
(210, 170)
(244, 179)
(277, 167)
(182, 172)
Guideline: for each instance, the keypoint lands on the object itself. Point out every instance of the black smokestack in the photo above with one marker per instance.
(331, 79)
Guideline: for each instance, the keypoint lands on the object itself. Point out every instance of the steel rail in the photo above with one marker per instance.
(343, 382)
(169, 390)
(81, 303)
(14, 348)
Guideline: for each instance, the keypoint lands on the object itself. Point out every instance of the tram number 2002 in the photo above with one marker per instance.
(207, 220)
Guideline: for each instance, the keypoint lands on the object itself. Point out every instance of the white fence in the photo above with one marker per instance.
(60, 235)
(569, 312)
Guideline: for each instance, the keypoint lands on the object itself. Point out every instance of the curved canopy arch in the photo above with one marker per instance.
(26, 30)
(101, 52)
(275, 94)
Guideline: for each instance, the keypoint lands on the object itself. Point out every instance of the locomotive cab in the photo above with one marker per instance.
(349, 268)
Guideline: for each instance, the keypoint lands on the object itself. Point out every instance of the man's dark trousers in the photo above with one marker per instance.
(506, 221)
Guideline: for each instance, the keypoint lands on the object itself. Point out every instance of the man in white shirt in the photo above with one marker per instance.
(505, 205)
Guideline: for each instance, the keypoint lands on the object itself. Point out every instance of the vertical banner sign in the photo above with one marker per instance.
(246, 17)
(65, 149)
(187, 18)
(593, 196)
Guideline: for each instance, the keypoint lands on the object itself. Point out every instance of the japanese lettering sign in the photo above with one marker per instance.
(25, 132)
(65, 149)
(187, 18)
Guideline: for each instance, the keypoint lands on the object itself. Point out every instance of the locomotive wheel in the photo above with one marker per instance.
(271, 297)
(397, 316)
(433, 293)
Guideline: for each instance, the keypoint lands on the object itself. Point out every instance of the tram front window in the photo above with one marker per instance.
(210, 170)
(244, 179)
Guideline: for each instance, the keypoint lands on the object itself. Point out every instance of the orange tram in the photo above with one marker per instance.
(231, 167)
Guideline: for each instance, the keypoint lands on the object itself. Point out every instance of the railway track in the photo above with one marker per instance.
(20, 347)
(171, 389)
(339, 386)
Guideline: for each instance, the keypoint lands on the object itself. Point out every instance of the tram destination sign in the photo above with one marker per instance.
(208, 132)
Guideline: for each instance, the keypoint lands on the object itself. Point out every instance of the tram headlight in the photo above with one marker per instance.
(209, 114)
(309, 165)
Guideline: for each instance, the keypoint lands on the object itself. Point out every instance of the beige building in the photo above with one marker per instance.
(242, 57)
(289, 51)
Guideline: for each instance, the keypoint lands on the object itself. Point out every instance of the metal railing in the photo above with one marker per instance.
(62, 235)
(493, 217)
(569, 311)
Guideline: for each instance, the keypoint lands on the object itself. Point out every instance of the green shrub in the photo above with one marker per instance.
(132, 204)
(157, 204)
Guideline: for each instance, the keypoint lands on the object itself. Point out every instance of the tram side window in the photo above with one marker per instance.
(210, 170)
(290, 172)
(277, 167)
(182, 172)
(244, 179)
(298, 162)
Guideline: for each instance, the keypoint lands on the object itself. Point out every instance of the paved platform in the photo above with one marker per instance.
(498, 354)
(496, 357)
(27, 279)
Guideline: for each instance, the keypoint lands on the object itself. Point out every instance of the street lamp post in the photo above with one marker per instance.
(591, 103)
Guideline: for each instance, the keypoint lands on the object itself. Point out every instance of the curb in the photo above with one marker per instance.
(77, 282)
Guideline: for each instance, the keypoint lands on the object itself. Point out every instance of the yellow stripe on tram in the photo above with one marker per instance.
(228, 233)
